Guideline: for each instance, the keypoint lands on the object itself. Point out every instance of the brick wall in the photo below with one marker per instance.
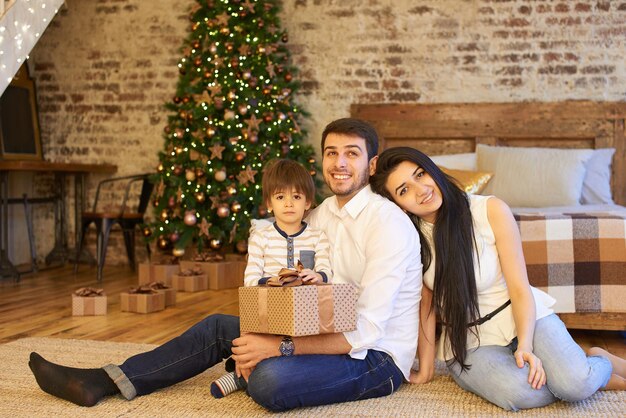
(104, 68)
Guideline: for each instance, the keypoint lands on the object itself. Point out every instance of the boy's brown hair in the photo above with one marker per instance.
(285, 175)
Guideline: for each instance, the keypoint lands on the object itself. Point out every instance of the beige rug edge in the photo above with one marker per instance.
(21, 397)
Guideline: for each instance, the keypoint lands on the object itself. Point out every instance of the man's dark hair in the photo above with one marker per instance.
(354, 127)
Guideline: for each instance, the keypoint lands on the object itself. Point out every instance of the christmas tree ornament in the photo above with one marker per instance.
(220, 175)
(223, 211)
(216, 151)
(268, 117)
(253, 138)
(240, 156)
(285, 38)
(200, 173)
(147, 232)
(164, 215)
(178, 170)
(178, 252)
(178, 150)
(190, 218)
(229, 45)
(232, 190)
(288, 77)
(210, 131)
(196, 44)
(160, 168)
(204, 228)
(215, 244)
(246, 75)
(313, 173)
(242, 246)
(200, 197)
(174, 237)
(163, 243)
(311, 160)
(219, 102)
(176, 99)
(231, 95)
(243, 109)
(213, 48)
(190, 174)
(197, 62)
(171, 201)
(233, 140)
(229, 115)
(235, 207)
(262, 211)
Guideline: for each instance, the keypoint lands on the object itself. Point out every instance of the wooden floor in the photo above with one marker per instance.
(40, 306)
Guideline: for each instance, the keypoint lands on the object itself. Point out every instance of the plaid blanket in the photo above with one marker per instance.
(579, 259)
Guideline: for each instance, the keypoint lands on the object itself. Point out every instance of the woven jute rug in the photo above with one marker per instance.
(21, 397)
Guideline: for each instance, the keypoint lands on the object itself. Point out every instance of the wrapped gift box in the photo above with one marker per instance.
(149, 300)
(158, 271)
(190, 280)
(221, 274)
(89, 301)
(298, 310)
(168, 291)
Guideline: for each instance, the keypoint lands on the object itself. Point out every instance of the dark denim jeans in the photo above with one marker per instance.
(278, 383)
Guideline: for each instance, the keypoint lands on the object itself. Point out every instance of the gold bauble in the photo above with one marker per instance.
(242, 246)
(200, 197)
(190, 175)
(147, 232)
(215, 244)
(178, 252)
(240, 156)
(190, 218)
(210, 131)
(160, 168)
(223, 211)
(232, 190)
(220, 175)
(199, 173)
(164, 215)
(163, 243)
(235, 207)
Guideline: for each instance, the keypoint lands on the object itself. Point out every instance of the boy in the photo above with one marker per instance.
(288, 192)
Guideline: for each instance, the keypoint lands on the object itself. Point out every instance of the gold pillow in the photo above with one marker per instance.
(471, 181)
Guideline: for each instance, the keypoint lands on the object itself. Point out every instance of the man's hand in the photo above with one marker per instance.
(250, 349)
(536, 374)
(309, 276)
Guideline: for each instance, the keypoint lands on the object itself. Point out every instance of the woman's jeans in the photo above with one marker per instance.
(278, 383)
(571, 375)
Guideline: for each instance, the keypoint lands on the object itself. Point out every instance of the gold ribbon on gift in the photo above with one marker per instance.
(287, 277)
(142, 290)
(89, 292)
(208, 257)
(158, 285)
(195, 271)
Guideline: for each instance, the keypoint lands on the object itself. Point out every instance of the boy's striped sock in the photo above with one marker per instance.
(225, 385)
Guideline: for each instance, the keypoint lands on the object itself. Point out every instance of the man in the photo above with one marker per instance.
(374, 246)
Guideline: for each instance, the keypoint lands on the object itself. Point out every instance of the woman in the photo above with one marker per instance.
(500, 339)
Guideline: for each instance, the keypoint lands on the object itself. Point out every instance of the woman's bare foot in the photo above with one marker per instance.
(618, 363)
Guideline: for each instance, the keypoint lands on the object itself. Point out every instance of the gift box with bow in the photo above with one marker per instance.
(160, 270)
(89, 301)
(221, 274)
(168, 291)
(190, 280)
(286, 306)
(142, 299)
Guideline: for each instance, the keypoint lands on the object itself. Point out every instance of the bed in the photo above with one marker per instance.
(562, 169)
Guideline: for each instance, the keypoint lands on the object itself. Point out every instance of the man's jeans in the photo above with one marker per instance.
(278, 383)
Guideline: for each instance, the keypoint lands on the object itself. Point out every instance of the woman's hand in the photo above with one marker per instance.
(309, 276)
(536, 373)
(421, 376)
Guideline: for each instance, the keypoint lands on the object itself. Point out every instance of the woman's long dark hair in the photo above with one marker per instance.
(454, 292)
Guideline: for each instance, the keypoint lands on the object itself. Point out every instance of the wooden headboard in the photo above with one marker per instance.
(456, 128)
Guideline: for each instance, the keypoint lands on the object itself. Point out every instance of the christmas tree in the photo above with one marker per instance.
(233, 112)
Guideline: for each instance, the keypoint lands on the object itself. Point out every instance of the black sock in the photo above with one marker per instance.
(84, 387)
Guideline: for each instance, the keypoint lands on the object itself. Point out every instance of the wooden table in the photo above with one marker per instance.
(60, 252)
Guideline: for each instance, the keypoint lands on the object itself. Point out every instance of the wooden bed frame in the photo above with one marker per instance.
(456, 128)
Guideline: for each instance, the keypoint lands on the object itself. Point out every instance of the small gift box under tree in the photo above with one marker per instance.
(168, 291)
(160, 270)
(89, 301)
(142, 299)
(221, 274)
(190, 280)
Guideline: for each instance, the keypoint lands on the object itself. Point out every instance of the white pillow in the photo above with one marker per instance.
(534, 177)
(597, 182)
(466, 161)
